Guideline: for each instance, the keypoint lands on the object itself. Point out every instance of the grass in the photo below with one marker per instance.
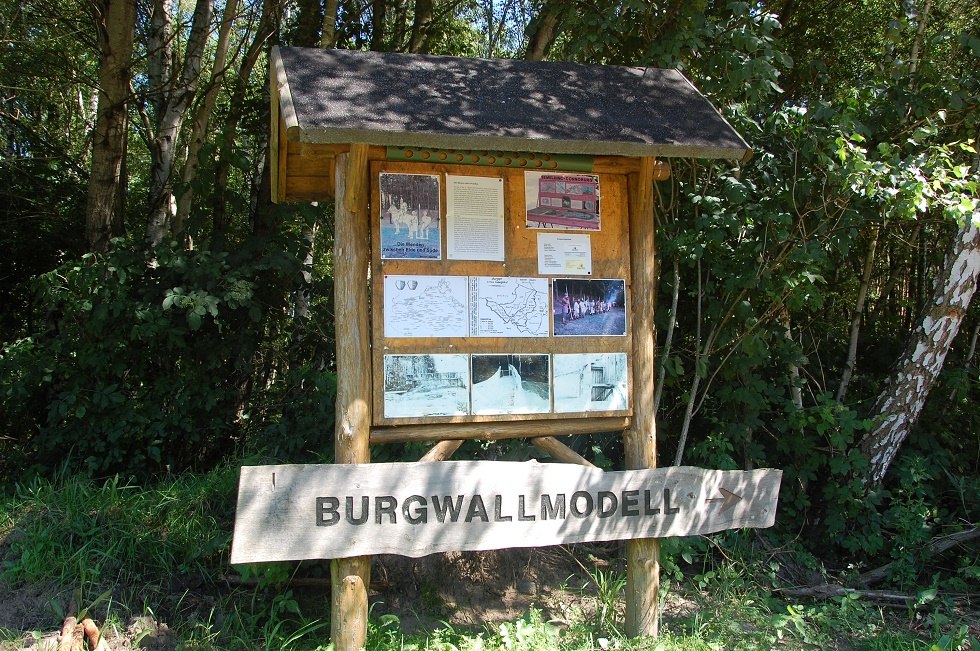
(140, 557)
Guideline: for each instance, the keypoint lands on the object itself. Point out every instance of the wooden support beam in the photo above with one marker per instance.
(496, 431)
(560, 451)
(441, 451)
(277, 143)
(629, 165)
(349, 606)
(351, 576)
(640, 440)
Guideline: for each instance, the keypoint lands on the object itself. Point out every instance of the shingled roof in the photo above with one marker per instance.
(331, 96)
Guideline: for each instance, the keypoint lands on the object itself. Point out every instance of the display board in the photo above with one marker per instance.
(498, 294)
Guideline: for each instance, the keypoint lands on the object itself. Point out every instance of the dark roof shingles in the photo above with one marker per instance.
(421, 100)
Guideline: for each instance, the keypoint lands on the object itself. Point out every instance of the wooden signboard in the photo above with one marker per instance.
(294, 512)
(484, 294)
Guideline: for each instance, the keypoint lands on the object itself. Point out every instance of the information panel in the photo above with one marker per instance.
(498, 294)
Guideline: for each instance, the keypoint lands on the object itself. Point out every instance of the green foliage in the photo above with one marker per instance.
(609, 587)
(146, 366)
(729, 48)
(80, 533)
(119, 546)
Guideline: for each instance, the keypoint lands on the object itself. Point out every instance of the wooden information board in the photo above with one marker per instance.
(294, 512)
(460, 340)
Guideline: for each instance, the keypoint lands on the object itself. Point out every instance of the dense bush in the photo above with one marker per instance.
(144, 366)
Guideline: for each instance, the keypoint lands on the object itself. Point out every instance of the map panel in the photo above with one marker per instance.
(508, 307)
(425, 306)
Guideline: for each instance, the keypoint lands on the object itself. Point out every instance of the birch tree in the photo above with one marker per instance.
(171, 94)
(935, 179)
(899, 405)
(202, 118)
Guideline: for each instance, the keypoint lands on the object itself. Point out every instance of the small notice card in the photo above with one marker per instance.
(564, 254)
(474, 218)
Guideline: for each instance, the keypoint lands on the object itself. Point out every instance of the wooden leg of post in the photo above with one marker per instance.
(352, 245)
(642, 587)
(349, 607)
(640, 440)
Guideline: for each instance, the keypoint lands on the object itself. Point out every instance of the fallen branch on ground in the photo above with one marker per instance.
(94, 636)
(934, 548)
(69, 629)
(831, 590)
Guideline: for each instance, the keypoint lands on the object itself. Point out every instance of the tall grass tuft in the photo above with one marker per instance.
(75, 531)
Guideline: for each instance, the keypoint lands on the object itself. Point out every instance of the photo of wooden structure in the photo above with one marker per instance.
(340, 119)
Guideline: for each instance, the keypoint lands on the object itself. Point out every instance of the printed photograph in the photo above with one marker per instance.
(591, 382)
(426, 385)
(410, 217)
(511, 384)
(562, 201)
(595, 307)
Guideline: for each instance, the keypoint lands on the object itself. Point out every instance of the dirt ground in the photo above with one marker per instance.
(463, 589)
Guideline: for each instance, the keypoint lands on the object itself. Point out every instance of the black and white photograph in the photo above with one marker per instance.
(426, 385)
(590, 382)
(511, 384)
(588, 308)
(410, 217)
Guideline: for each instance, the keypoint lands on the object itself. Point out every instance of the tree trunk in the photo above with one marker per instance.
(172, 106)
(857, 316)
(309, 20)
(304, 282)
(668, 338)
(379, 9)
(795, 390)
(199, 126)
(420, 26)
(328, 33)
(544, 30)
(104, 211)
(899, 405)
(267, 27)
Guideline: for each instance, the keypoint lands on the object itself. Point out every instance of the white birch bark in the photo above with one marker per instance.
(796, 391)
(199, 126)
(899, 405)
(172, 109)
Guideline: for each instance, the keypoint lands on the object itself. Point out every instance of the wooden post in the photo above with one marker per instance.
(351, 576)
(640, 440)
